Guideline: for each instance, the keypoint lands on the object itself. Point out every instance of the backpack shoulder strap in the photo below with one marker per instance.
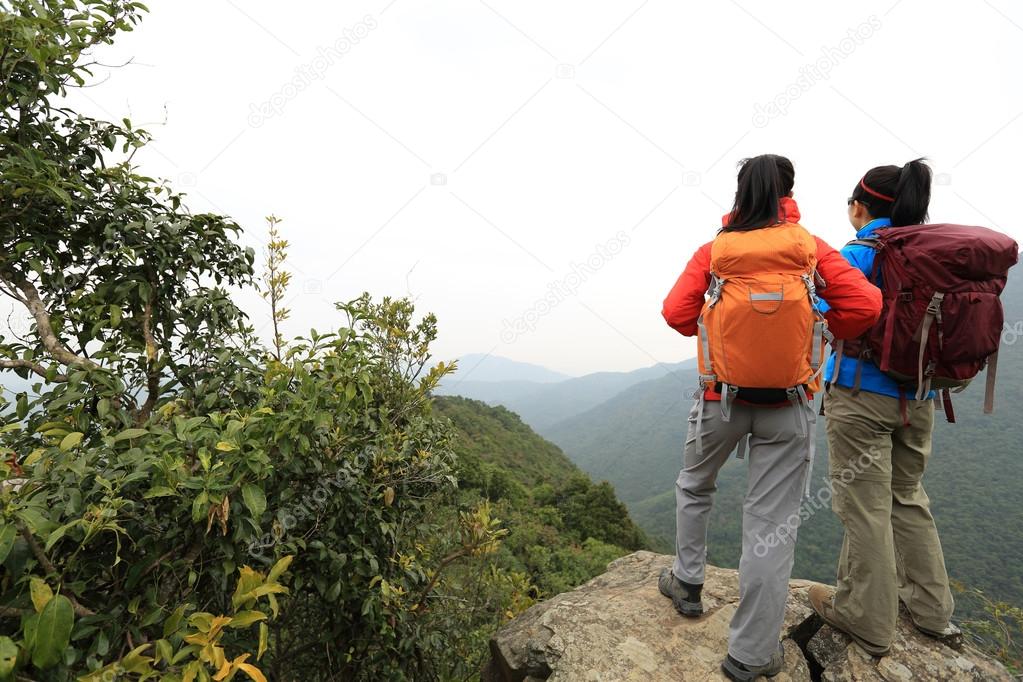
(869, 242)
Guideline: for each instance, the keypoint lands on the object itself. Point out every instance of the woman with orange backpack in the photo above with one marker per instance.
(941, 323)
(751, 298)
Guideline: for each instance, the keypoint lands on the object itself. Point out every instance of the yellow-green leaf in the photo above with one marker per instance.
(71, 440)
(158, 491)
(53, 632)
(264, 636)
(33, 457)
(165, 650)
(191, 670)
(255, 500)
(225, 446)
(131, 433)
(8, 657)
(279, 568)
(170, 626)
(136, 663)
(41, 593)
(7, 534)
(252, 671)
(244, 619)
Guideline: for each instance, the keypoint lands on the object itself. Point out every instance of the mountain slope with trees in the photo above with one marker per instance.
(562, 527)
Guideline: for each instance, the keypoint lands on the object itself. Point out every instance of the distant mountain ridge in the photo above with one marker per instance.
(487, 367)
(542, 405)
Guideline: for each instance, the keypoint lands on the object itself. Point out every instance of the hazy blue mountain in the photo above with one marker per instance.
(541, 405)
(484, 367)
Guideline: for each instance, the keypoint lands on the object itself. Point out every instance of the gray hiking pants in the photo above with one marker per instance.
(779, 448)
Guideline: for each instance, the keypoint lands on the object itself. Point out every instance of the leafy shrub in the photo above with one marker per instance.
(179, 502)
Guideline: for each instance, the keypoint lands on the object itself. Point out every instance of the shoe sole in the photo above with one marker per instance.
(871, 649)
(951, 640)
(688, 611)
(685, 609)
(736, 675)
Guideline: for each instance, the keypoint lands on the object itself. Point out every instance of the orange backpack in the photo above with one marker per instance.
(760, 333)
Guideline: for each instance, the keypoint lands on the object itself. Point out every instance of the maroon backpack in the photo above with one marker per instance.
(941, 319)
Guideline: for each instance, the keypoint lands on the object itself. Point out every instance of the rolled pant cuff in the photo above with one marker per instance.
(694, 579)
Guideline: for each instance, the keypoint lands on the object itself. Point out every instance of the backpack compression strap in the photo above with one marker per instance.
(989, 383)
(931, 317)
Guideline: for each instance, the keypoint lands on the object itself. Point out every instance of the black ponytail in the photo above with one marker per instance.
(901, 194)
(912, 194)
(763, 180)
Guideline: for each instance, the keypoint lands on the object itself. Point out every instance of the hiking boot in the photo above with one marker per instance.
(822, 599)
(685, 596)
(951, 636)
(740, 672)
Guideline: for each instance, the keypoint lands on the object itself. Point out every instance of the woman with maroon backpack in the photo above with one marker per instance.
(940, 325)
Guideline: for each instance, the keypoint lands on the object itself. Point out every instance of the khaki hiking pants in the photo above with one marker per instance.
(778, 464)
(891, 550)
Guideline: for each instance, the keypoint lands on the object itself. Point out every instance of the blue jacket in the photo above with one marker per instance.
(872, 379)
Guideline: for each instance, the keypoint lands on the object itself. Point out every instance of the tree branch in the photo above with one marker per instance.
(50, 569)
(26, 364)
(454, 556)
(44, 327)
(152, 373)
(12, 612)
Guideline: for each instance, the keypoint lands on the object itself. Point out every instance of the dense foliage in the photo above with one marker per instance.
(563, 529)
(176, 501)
(179, 502)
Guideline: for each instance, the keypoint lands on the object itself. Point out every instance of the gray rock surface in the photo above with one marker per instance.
(618, 627)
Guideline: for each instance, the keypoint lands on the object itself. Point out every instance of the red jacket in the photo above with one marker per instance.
(855, 303)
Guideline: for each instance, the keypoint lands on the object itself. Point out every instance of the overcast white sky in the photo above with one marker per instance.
(472, 153)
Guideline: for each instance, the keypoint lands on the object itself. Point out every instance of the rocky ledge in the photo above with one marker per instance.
(618, 627)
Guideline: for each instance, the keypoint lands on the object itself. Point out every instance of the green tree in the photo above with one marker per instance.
(175, 501)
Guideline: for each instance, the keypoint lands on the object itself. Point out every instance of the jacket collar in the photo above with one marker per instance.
(788, 211)
(875, 224)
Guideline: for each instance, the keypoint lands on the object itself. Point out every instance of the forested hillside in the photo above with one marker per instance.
(635, 439)
(563, 529)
